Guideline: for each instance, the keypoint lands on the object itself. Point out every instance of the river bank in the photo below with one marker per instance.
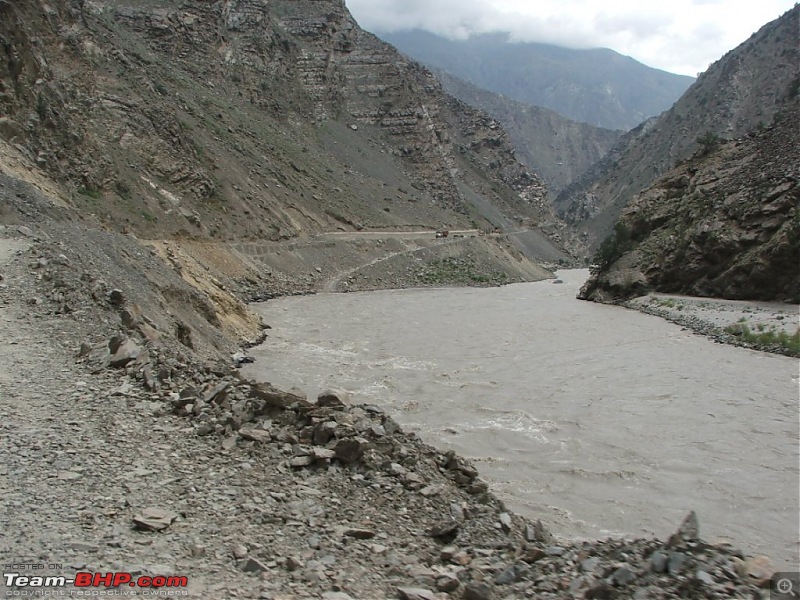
(187, 469)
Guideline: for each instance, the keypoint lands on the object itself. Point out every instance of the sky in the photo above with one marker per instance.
(680, 36)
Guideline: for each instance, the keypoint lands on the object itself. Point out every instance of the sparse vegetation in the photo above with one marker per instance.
(457, 270)
(613, 247)
(709, 142)
(766, 337)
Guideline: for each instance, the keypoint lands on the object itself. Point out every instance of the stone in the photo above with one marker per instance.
(554, 551)
(215, 393)
(349, 451)
(758, 568)
(336, 596)
(409, 593)
(125, 353)
(322, 454)
(623, 576)
(447, 582)
(675, 564)
(537, 532)
(360, 534)
(253, 565)
(299, 462)
(293, 564)
(255, 435)
(431, 490)
(272, 396)
(116, 297)
(505, 521)
(131, 316)
(229, 443)
(705, 578)
(324, 432)
(478, 590)
(658, 562)
(506, 577)
(154, 519)
(445, 529)
(333, 398)
(239, 551)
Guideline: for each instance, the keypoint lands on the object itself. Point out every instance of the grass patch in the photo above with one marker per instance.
(457, 271)
(96, 194)
(766, 337)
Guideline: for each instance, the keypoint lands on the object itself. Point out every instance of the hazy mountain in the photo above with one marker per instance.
(558, 149)
(598, 86)
(741, 92)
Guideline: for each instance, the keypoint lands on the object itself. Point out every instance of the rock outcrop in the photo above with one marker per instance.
(723, 224)
(738, 94)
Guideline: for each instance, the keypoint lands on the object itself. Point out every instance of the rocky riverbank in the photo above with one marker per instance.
(764, 326)
(139, 456)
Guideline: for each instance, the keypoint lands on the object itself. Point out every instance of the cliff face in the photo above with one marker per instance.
(741, 92)
(725, 225)
(243, 119)
(557, 149)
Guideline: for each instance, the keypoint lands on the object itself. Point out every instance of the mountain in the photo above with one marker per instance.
(737, 95)
(558, 149)
(597, 86)
(725, 224)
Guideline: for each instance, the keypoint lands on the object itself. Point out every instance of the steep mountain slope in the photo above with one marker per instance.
(738, 94)
(598, 86)
(229, 136)
(725, 224)
(558, 149)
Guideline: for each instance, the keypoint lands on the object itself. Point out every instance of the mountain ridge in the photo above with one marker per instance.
(600, 87)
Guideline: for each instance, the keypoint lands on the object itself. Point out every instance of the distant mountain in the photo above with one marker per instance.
(738, 94)
(597, 86)
(558, 149)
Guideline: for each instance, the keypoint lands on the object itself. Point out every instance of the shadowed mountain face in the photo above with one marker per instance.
(739, 94)
(599, 86)
(723, 224)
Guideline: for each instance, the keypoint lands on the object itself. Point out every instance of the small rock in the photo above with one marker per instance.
(478, 590)
(349, 451)
(505, 521)
(675, 564)
(299, 462)
(116, 297)
(154, 519)
(333, 398)
(445, 529)
(623, 576)
(705, 578)
(658, 562)
(360, 534)
(254, 566)
(255, 435)
(292, 563)
(409, 593)
(447, 582)
(128, 351)
(554, 551)
(239, 551)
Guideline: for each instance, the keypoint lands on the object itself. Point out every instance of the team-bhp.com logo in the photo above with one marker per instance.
(18, 582)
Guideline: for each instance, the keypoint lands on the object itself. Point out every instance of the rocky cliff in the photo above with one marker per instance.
(723, 224)
(738, 94)
(217, 119)
(558, 149)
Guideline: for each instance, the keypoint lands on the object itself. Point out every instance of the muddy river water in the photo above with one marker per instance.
(596, 419)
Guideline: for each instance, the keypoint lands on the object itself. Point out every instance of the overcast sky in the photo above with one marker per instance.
(681, 36)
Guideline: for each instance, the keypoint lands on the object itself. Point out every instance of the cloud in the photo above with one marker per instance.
(682, 36)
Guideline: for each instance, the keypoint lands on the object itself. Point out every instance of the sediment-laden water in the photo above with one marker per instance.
(599, 420)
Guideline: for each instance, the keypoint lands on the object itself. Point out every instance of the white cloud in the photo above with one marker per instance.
(682, 36)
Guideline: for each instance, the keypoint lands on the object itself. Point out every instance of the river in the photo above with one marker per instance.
(599, 420)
